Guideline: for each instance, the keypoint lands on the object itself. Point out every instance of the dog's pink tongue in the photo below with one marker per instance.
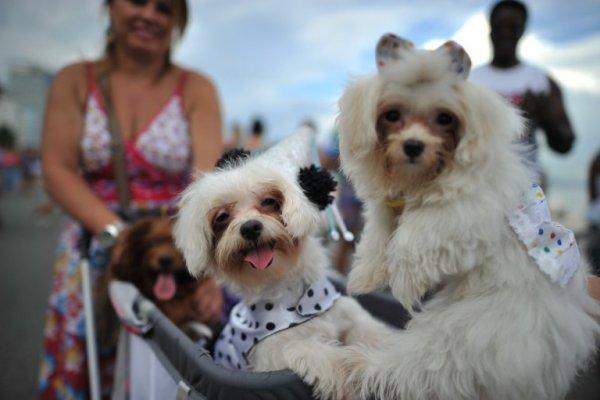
(165, 287)
(260, 257)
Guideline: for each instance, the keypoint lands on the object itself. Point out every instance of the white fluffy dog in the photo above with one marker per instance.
(431, 156)
(251, 224)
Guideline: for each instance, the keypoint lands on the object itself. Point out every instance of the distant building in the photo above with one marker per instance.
(11, 116)
(28, 87)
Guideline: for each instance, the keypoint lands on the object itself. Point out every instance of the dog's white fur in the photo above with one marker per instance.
(499, 328)
(311, 349)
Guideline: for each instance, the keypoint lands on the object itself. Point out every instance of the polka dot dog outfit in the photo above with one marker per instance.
(250, 324)
(550, 244)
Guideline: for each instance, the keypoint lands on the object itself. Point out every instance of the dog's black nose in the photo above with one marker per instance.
(165, 262)
(413, 148)
(250, 230)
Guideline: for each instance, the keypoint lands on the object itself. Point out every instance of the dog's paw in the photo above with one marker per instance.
(365, 278)
(318, 369)
(357, 369)
(408, 286)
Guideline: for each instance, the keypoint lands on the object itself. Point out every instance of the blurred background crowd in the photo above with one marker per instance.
(274, 66)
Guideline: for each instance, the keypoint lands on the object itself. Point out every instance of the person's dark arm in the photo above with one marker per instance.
(554, 121)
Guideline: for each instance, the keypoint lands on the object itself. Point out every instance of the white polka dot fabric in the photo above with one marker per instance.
(251, 323)
(550, 244)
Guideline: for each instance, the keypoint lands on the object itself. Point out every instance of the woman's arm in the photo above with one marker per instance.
(204, 115)
(63, 124)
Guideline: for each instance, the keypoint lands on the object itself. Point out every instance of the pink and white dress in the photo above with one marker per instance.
(158, 164)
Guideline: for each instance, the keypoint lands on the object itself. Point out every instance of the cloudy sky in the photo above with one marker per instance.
(290, 59)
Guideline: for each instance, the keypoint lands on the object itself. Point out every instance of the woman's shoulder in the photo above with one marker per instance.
(74, 73)
(73, 78)
(198, 88)
(197, 80)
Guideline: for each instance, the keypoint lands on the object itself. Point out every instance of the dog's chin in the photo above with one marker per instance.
(405, 174)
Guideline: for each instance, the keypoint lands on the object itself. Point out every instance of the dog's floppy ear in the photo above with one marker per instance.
(356, 120)
(391, 47)
(299, 215)
(126, 256)
(317, 184)
(192, 232)
(232, 158)
(460, 62)
(490, 122)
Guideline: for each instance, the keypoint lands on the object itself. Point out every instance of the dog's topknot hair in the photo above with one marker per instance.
(317, 185)
(232, 158)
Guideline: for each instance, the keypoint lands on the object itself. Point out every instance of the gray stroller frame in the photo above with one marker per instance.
(193, 369)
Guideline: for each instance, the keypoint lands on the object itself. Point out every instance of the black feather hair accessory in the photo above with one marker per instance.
(232, 158)
(317, 184)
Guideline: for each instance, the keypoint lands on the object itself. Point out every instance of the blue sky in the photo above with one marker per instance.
(287, 60)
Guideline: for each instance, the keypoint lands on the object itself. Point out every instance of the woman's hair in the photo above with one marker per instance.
(180, 18)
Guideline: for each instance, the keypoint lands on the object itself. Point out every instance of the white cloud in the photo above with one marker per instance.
(473, 36)
(574, 65)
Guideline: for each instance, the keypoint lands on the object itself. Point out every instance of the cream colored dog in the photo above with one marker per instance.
(431, 156)
(251, 224)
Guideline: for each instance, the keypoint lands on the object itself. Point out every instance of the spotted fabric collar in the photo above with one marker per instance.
(251, 323)
(551, 245)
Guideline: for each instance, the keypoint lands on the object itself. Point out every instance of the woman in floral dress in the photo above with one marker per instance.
(170, 123)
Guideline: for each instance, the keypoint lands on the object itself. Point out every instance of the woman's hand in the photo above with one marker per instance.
(208, 301)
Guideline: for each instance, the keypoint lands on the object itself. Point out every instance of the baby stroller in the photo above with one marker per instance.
(156, 360)
(192, 371)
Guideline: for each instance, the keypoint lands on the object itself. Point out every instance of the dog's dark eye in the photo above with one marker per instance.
(392, 116)
(270, 202)
(221, 218)
(444, 119)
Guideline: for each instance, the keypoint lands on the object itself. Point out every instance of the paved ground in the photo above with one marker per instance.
(26, 256)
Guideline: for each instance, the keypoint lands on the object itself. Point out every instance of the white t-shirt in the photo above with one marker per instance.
(512, 83)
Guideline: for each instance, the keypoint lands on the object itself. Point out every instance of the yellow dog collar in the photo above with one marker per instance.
(398, 202)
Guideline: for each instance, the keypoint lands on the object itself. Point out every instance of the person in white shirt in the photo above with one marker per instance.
(525, 85)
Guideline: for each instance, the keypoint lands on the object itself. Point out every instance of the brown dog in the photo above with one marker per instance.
(146, 256)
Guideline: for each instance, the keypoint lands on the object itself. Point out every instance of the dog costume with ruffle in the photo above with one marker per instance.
(550, 244)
